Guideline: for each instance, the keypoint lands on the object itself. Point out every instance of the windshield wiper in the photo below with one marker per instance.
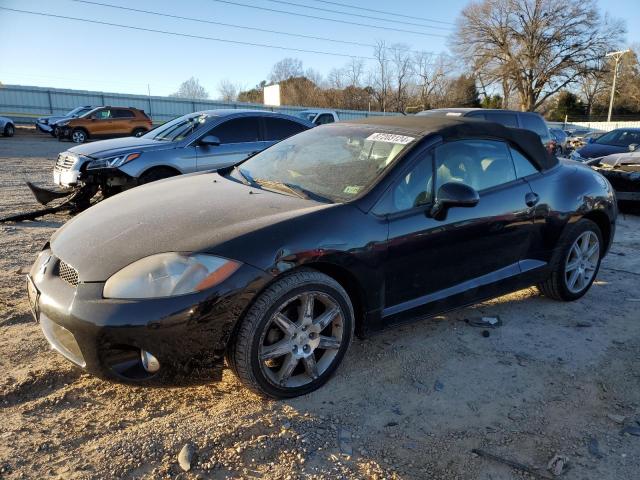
(276, 185)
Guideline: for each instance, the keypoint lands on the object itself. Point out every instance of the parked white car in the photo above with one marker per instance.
(7, 127)
(319, 116)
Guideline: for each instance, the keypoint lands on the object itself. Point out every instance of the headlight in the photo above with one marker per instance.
(112, 162)
(168, 275)
(39, 266)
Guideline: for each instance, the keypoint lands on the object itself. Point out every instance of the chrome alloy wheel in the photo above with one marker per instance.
(301, 340)
(582, 262)
(78, 137)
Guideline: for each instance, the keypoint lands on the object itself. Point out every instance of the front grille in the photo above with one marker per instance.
(65, 162)
(68, 273)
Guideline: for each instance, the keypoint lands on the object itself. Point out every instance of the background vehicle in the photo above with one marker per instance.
(560, 137)
(194, 142)
(105, 122)
(509, 118)
(623, 172)
(319, 116)
(7, 127)
(620, 140)
(46, 124)
(278, 261)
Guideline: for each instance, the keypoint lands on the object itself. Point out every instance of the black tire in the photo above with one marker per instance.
(138, 132)
(9, 130)
(78, 135)
(243, 350)
(157, 173)
(55, 132)
(556, 285)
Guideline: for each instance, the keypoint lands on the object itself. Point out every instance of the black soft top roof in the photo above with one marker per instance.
(456, 128)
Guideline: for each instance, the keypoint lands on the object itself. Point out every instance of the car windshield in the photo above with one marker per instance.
(336, 162)
(619, 138)
(76, 112)
(178, 128)
(306, 115)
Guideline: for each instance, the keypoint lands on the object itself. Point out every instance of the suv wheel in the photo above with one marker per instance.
(138, 132)
(78, 136)
(576, 265)
(9, 130)
(294, 336)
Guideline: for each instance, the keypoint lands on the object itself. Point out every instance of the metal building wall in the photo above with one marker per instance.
(24, 104)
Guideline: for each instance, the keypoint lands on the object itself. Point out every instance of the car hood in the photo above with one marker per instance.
(52, 119)
(593, 150)
(185, 214)
(118, 146)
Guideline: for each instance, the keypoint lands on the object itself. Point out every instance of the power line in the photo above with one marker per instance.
(211, 22)
(177, 34)
(314, 17)
(413, 17)
(294, 4)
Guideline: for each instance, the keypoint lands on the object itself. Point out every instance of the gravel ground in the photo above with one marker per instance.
(555, 378)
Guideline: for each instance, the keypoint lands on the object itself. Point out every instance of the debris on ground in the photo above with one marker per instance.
(438, 386)
(584, 324)
(512, 463)
(616, 418)
(631, 430)
(594, 447)
(185, 457)
(486, 334)
(557, 464)
(484, 322)
(344, 442)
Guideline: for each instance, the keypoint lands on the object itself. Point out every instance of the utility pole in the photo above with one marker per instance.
(616, 56)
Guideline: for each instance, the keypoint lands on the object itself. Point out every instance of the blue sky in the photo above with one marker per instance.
(68, 54)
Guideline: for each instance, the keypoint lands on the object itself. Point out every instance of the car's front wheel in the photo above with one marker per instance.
(78, 136)
(577, 262)
(294, 336)
(9, 130)
(138, 132)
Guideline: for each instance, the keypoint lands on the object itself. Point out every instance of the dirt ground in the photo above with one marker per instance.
(555, 378)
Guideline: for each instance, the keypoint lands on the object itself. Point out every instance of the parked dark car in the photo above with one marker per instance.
(348, 227)
(619, 140)
(47, 124)
(509, 118)
(194, 142)
(623, 172)
(7, 127)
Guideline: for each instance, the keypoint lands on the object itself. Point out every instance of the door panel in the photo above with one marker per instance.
(210, 157)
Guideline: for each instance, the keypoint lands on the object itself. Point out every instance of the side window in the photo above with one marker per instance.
(324, 118)
(522, 164)
(121, 113)
(238, 130)
(506, 119)
(481, 164)
(536, 124)
(103, 114)
(279, 128)
(478, 115)
(628, 137)
(413, 189)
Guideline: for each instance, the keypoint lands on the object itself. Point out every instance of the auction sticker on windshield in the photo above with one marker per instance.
(390, 138)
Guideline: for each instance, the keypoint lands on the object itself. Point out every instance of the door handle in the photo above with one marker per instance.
(531, 199)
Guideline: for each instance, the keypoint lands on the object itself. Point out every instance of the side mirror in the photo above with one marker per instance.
(591, 140)
(210, 140)
(453, 194)
(633, 147)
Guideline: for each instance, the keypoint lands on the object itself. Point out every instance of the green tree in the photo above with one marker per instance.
(567, 105)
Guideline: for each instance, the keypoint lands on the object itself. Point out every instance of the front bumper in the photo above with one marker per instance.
(188, 334)
(44, 127)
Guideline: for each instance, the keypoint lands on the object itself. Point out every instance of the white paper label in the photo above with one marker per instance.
(390, 138)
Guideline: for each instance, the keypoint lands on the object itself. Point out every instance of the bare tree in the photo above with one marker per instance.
(191, 89)
(285, 69)
(354, 72)
(540, 46)
(402, 75)
(431, 74)
(228, 90)
(592, 83)
(381, 75)
(336, 78)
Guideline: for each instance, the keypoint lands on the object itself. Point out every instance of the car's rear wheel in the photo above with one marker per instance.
(576, 263)
(9, 130)
(79, 136)
(157, 173)
(55, 132)
(138, 132)
(294, 336)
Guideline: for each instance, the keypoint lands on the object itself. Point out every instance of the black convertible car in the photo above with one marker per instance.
(348, 227)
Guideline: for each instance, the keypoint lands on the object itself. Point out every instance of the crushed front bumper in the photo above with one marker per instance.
(187, 334)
